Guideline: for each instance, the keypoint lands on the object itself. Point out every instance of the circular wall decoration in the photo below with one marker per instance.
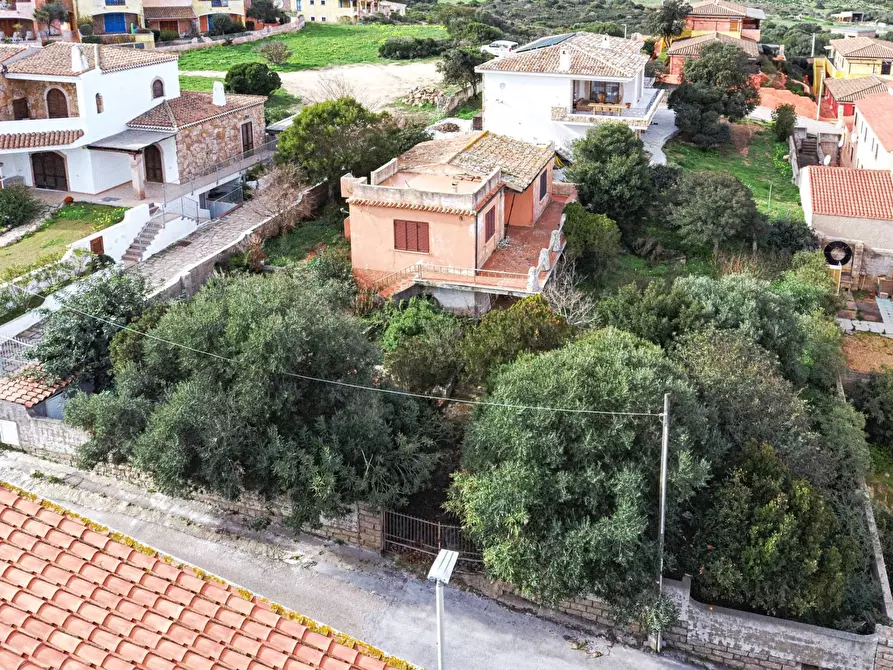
(838, 253)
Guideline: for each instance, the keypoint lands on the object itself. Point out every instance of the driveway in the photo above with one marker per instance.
(376, 86)
(662, 128)
(352, 590)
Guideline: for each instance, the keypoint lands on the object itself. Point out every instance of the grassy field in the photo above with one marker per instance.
(69, 224)
(316, 46)
(279, 104)
(293, 247)
(755, 165)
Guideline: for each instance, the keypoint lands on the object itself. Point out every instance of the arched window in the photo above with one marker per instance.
(157, 89)
(57, 104)
(98, 103)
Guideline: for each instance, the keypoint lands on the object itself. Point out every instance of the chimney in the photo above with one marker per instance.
(564, 61)
(218, 97)
(79, 61)
(606, 41)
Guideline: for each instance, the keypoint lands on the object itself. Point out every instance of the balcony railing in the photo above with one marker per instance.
(41, 125)
(637, 117)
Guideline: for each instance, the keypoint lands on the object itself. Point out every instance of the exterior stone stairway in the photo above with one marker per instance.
(141, 242)
(808, 154)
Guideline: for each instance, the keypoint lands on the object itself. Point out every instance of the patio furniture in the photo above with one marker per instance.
(601, 108)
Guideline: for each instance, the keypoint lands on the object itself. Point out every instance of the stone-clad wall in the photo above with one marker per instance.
(35, 92)
(44, 438)
(213, 141)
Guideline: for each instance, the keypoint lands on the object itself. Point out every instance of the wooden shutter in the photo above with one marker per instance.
(490, 223)
(400, 235)
(57, 105)
(422, 227)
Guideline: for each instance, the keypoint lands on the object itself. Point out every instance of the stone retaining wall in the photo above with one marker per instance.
(297, 23)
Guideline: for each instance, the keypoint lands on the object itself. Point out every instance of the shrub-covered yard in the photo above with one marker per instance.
(755, 158)
(294, 246)
(47, 244)
(315, 46)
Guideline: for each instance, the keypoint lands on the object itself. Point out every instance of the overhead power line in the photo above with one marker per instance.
(360, 387)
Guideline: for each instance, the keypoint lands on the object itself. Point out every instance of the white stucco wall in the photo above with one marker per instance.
(870, 154)
(118, 238)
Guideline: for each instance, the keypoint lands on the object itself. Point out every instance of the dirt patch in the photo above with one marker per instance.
(741, 135)
(866, 352)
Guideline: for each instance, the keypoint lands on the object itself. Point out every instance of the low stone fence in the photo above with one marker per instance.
(297, 23)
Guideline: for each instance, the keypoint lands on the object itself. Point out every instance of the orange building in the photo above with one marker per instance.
(724, 17)
(465, 218)
(683, 50)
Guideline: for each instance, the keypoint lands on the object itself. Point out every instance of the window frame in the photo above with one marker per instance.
(416, 231)
(16, 115)
(490, 223)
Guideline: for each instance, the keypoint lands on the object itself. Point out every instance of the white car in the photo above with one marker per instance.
(499, 48)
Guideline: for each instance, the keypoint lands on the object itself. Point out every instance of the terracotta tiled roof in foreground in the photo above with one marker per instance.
(590, 55)
(75, 596)
(55, 59)
(9, 50)
(877, 110)
(850, 192)
(863, 47)
(30, 387)
(718, 8)
(850, 90)
(50, 138)
(693, 45)
(190, 108)
(168, 13)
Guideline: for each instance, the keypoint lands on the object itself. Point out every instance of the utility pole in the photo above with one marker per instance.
(813, 45)
(664, 457)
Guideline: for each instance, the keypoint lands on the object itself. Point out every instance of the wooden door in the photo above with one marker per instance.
(49, 171)
(247, 137)
(154, 167)
(57, 105)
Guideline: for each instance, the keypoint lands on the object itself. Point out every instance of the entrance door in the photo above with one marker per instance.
(49, 171)
(115, 23)
(247, 136)
(169, 26)
(154, 169)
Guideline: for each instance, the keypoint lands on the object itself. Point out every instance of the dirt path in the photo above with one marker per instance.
(374, 85)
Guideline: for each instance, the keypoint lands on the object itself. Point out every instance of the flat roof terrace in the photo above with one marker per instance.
(445, 180)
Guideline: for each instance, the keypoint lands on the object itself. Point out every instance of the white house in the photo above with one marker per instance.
(88, 118)
(556, 88)
(871, 142)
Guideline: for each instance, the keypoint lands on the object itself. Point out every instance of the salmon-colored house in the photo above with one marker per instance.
(721, 16)
(466, 218)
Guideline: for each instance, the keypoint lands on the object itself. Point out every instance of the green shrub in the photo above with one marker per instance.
(593, 240)
(168, 35)
(405, 48)
(18, 206)
(784, 118)
(251, 78)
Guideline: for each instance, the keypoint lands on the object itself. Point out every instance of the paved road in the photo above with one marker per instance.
(349, 589)
(375, 85)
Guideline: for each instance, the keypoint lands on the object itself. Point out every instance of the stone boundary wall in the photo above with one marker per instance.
(297, 23)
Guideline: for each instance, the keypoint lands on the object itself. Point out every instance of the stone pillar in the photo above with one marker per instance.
(138, 176)
(543, 263)
(555, 241)
(533, 280)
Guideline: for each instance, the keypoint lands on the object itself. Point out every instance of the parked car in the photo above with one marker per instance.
(499, 48)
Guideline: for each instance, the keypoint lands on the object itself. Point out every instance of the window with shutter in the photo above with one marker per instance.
(544, 184)
(411, 236)
(490, 223)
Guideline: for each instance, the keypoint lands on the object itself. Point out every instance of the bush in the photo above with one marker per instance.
(91, 39)
(251, 78)
(18, 206)
(221, 24)
(85, 28)
(479, 33)
(502, 335)
(275, 51)
(593, 240)
(784, 118)
(168, 36)
(405, 48)
(874, 399)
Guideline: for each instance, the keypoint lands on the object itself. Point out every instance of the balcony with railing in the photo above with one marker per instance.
(611, 108)
(13, 127)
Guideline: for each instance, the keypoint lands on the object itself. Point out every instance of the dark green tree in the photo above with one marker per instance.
(711, 207)
(668, 20)
(784, 118)
(613, 175)
(251, 78)
(457, 66)
(562, 502)
(874, 398)
(699, 112)
(593, 240)
(479, 33)
(264, 11)
(602, 28)
(77, 338)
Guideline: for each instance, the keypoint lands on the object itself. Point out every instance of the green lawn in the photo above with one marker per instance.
(294, 246)
(69, 224)
(758, 169)
(316, 46)
(280, 102)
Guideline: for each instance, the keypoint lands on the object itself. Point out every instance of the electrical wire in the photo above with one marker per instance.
(362, 387)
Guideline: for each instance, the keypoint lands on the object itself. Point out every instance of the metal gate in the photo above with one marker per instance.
(408, 534)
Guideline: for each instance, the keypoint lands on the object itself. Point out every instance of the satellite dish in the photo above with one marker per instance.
(827, 160)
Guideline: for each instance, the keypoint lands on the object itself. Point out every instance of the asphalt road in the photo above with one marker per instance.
(351, 590)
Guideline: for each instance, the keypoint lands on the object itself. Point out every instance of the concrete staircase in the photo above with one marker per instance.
(808, 154)
(137, 248)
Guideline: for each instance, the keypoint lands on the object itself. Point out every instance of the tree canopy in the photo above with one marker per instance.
(668, 20)
(251, 78)
(456, 66)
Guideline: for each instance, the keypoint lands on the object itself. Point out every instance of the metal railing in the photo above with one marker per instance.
(408, 534)
(213, 174)
(422, 271)
(13, 355)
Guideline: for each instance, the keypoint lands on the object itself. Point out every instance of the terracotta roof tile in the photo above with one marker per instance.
(692, 46)
(520, 162)
(877, 110)
(30, 386)
(718, 8)
(7, 51)
(590, 55)
(168, 13)
(55, 59)
(190, 108)
(850, 90)
(60, 611)
(863, 47)
(850, 192)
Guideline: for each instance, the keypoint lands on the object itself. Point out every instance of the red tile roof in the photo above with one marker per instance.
(167, 12)
(75, 596)
(190, 108)
(55, 59)
(850, 192)
(877, 110)
(30, 387)
(49, 138)
(718, 8)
